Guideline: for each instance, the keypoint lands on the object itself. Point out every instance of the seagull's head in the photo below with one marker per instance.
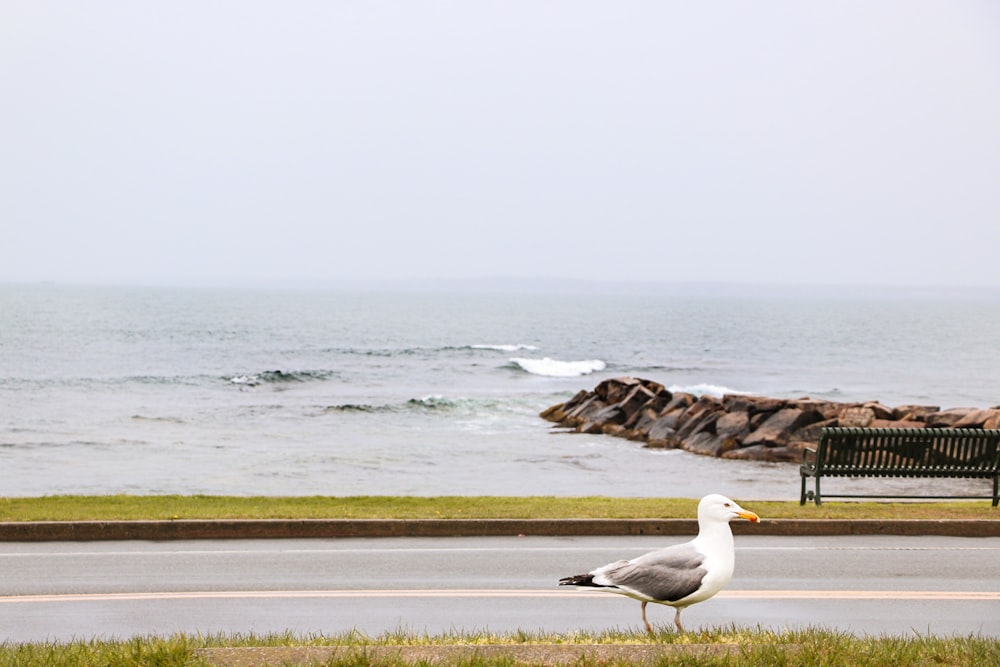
(720, 508)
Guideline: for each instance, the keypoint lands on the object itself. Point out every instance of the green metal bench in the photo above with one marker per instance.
(902, 452)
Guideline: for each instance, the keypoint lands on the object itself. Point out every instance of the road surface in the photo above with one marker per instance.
(864, 585)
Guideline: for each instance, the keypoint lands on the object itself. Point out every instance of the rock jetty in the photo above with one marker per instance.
(738, 426)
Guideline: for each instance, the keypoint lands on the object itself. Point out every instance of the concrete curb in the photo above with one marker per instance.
(70, 531)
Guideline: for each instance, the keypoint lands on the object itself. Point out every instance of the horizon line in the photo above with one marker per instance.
(527, 284)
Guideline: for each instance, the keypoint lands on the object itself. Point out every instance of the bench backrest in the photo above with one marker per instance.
(909, 449)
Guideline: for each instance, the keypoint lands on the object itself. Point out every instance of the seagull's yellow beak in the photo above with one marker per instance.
(749, 516)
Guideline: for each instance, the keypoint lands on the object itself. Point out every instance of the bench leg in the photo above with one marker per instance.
(819, 501)
(996, 489)
(805, 496)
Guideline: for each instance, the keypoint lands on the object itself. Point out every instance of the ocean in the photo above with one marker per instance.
(417, 392)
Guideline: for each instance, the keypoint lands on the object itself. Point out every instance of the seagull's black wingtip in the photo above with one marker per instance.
(578, 580)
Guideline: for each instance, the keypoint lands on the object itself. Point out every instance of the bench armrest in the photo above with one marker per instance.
(808, 458)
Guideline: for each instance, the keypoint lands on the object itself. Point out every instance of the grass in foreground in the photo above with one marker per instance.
(728, 646)
(172, 507)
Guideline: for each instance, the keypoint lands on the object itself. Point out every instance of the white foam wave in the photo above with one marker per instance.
(703, 389)
(560, 369)
(432, 401)
(504, 348)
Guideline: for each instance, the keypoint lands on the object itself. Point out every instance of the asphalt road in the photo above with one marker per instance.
(860, 584)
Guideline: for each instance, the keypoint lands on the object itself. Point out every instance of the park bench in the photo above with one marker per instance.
(902, 452)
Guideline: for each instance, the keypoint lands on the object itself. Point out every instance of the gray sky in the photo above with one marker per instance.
(248, 142)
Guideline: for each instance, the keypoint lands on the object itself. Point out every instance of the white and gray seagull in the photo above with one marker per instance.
(679, 575)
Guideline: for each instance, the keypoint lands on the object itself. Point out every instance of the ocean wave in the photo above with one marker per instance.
(278, 376)
(358, 407)
(703, 389)
(503, 348)
(373, 351)
(434, 402)
(555, 368)
(169, 420)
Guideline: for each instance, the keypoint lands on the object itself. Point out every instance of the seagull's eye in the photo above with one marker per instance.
(726, 505)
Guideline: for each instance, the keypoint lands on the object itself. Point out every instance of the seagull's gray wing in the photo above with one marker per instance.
(665, 575)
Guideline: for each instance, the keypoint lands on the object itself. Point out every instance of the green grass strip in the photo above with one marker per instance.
(733, 646)
(173, 507)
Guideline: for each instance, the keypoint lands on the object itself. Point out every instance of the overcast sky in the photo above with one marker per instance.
(247, 142)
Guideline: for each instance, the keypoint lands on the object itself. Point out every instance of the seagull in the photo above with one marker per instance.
(679, 575)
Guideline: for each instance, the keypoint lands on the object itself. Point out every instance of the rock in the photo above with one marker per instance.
(642, 421)
(913, 412)
(585, 410)
(634, 401)
(751, 404)
(813, 432)
(780, 426)
(738, 426)
(759, 418)
(616, 430)
(733, 425)
(857, 416)
(948, 418)
(689, 420)
(664, 427)
(611, 414)
(667, 443)
(632, 434)
(879, 410)
(615, 389)
(752, 453)
(557, 413)
(669, 420)
(791, 452)
(703, 423)
(705, 443)
(553, 413)
(826, 409)
(976, 419)
(649, 410)
(657, 389)
(577, 399)
(893, 423)
(680, 400)
(699, 417)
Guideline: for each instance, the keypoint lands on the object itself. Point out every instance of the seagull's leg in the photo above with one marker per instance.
(649, 628)
(677, 621)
